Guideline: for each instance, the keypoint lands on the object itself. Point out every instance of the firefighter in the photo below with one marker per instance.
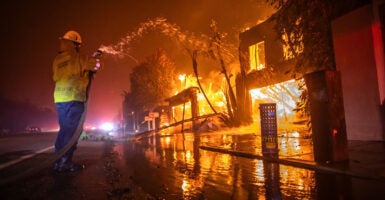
(71, 74)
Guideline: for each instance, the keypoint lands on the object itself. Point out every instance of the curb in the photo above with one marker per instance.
(296, 163)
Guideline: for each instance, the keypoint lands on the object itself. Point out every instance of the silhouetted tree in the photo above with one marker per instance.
(151, 82)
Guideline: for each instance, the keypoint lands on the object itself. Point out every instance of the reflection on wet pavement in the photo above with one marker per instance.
(174, 167)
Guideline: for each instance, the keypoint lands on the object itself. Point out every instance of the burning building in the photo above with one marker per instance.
(359, 56)
(264, 61)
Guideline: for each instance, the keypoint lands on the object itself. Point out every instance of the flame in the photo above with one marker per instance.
(182, 77)
(216, 97)
(285, 95)
(285, 98)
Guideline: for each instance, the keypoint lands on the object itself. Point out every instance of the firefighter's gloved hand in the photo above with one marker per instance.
(97, 65)
(97, 55)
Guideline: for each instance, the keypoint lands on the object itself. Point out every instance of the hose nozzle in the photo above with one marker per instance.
(97, 53)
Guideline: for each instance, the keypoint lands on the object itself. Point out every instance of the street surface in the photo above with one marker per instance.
(174, 166)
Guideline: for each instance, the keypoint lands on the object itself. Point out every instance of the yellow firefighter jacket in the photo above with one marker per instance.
(70, 73)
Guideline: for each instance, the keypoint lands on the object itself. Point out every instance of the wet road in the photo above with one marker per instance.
(175, 167)
(101, 177)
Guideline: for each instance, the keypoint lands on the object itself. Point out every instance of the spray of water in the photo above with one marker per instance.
(186, 39)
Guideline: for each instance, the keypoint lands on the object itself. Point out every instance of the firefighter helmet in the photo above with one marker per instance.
(72, 36)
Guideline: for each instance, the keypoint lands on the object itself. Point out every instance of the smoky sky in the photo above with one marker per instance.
(30, 31)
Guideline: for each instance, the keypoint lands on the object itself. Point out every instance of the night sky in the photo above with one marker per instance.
(30, 31)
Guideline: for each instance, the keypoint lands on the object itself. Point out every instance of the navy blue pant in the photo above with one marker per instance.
(69, 114)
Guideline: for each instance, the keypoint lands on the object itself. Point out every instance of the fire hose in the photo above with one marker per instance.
(48, 162)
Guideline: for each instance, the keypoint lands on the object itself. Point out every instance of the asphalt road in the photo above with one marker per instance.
(170, 167)
(101, 177)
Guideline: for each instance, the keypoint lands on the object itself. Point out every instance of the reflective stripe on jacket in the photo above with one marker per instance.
(70, 73)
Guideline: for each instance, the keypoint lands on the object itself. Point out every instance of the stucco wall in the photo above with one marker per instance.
(355, 58)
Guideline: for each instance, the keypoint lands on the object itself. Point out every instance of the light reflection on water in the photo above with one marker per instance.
(174, 167)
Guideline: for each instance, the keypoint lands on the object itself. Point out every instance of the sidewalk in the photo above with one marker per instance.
(366, 160)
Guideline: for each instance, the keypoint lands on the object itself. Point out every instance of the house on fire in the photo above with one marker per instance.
(358, 40)
(263, 61)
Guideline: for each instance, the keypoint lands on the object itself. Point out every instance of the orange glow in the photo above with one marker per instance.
(257, 56)
(182, 77)
(225, 165)
(285, 95)
(216, 97)
(259, 170)
(186, 186)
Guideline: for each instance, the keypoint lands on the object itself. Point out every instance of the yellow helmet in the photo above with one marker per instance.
(72, 36)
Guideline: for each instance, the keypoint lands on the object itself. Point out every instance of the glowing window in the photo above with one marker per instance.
(257, 56)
